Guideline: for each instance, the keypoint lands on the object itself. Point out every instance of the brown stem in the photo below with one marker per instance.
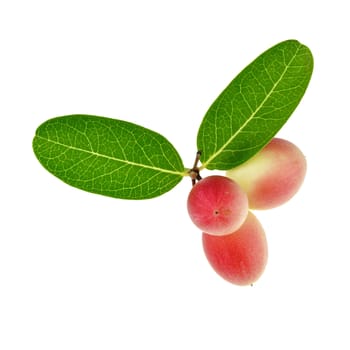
(194, 172)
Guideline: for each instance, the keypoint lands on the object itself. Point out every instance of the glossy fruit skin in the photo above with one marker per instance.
(240, 257)
(273, 176)
(217, 205)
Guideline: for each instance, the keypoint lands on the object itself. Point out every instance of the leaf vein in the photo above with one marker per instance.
(125, 161)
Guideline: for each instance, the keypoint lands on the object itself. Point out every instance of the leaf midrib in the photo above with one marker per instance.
(113, 158)
(222, 148)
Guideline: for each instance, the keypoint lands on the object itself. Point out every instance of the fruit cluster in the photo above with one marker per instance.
(233, 239)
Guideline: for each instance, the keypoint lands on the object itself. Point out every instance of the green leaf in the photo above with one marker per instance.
(254, 106)
(106, 156)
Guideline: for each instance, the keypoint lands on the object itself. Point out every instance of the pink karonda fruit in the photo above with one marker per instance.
(217, 205)
(273, 176)
(239, 257)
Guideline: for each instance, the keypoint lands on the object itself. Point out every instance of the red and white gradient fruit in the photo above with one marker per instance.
(239, 257)
(217, 205)
(272, 176)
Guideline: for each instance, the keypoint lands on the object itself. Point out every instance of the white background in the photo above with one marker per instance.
(83, 271)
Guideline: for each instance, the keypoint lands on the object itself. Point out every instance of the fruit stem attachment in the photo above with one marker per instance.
(194, 172)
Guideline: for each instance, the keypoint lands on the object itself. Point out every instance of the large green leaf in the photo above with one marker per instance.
(254, 106)
(107, 156)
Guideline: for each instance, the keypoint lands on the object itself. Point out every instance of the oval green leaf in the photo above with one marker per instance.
(107, 156)
(254, 106)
